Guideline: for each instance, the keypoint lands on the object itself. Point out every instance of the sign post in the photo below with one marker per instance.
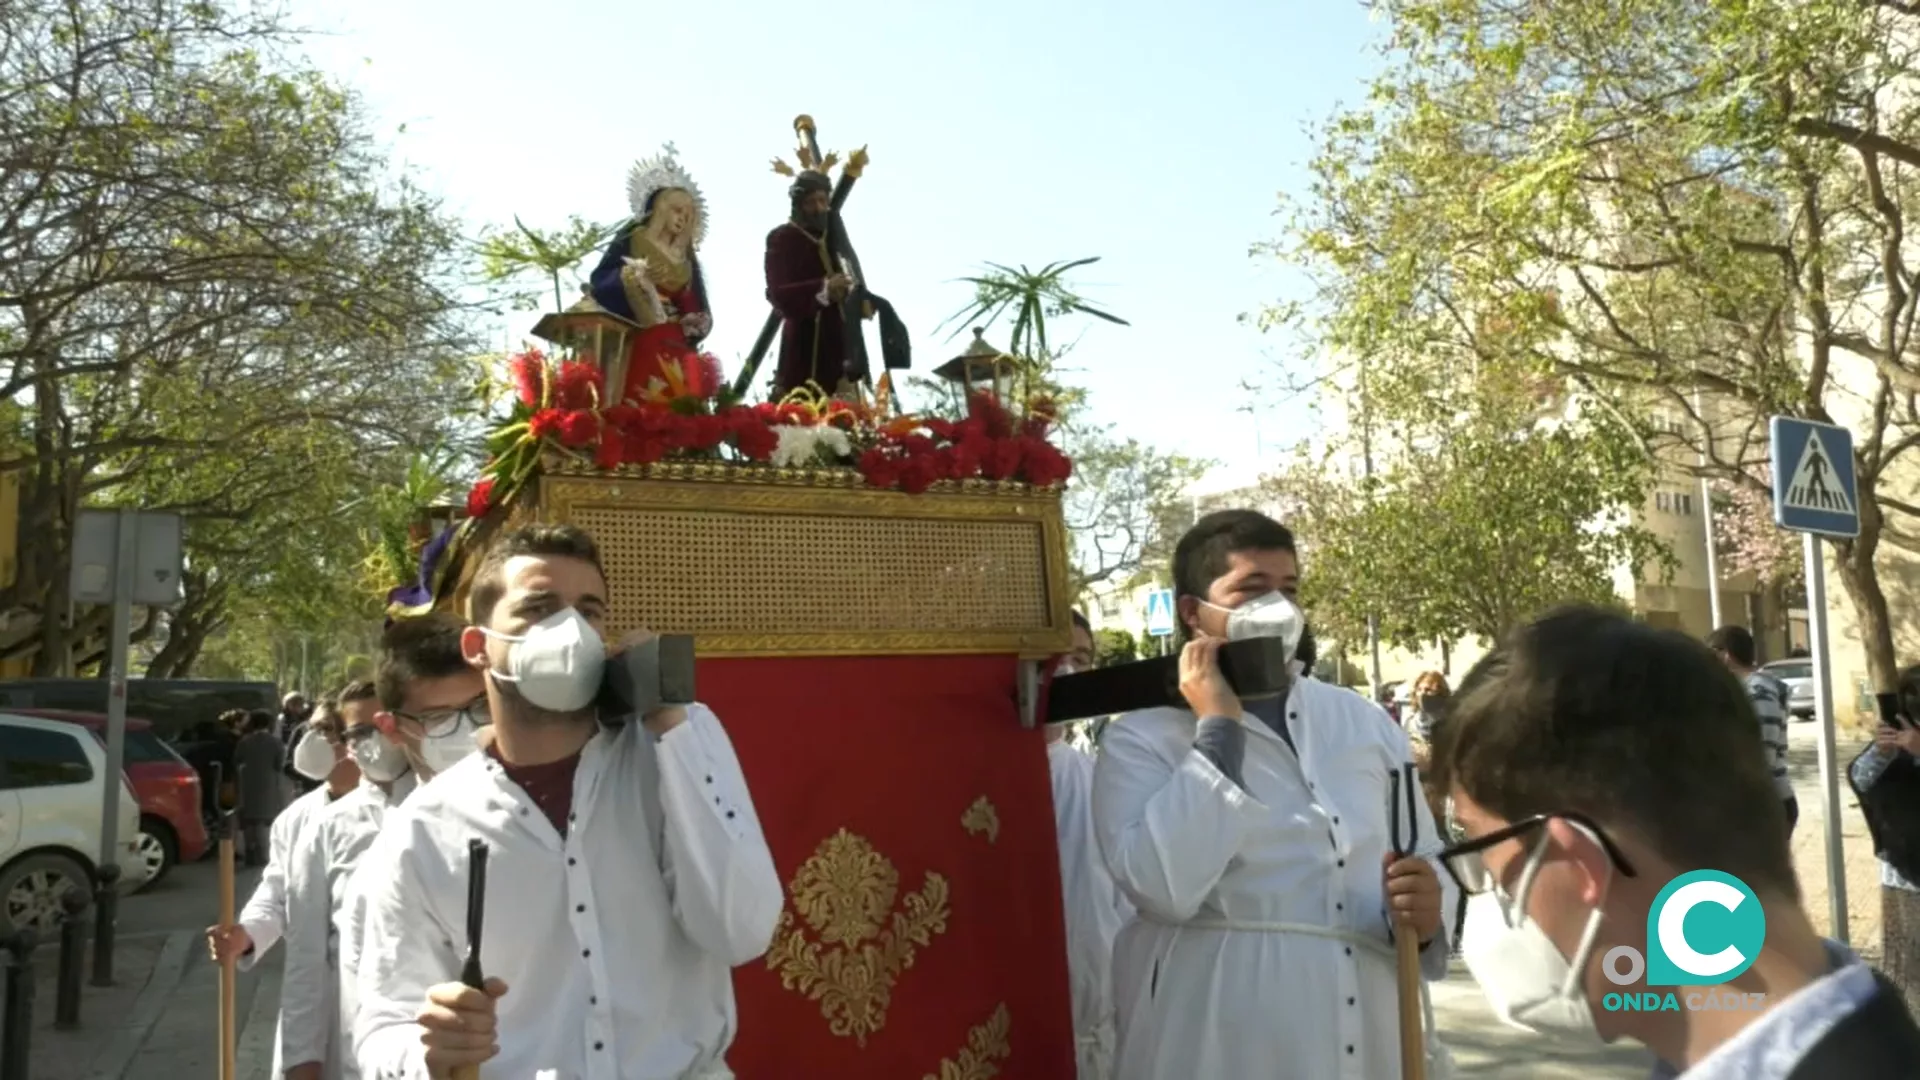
(1160, 616)
(1814, 494)
(121, 557)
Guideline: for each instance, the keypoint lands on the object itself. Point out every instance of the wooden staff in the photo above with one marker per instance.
(224, 825)
(1406, 939)
(471, 973)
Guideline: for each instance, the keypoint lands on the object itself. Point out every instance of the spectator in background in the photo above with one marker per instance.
(259, 756)
(1734, 646)
(1886, 776)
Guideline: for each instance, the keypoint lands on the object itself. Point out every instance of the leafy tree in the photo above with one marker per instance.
(1478, 523)
(1660, 202)
(1112, 647)
(215, 297)
(1748, 541)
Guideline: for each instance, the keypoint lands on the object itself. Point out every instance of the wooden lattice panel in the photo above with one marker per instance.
(782, 562)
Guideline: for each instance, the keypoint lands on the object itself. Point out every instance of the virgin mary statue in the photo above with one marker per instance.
(650, 276)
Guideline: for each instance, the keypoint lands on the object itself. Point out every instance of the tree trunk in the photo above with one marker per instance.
(1853, 564)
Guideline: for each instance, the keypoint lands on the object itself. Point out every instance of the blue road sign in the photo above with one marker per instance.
(1813, 481)
(1160, 612)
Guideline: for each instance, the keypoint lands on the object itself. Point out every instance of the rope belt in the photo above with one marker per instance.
(1439, 1062)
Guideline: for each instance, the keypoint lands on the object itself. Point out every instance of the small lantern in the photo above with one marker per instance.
(588, 332)
(980, 364)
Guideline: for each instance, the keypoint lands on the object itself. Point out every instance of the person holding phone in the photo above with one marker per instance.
(1886, 776)
(628, 873)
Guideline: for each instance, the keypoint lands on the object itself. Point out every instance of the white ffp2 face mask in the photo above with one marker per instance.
(380, 761)
(313, 756)
(1528, 982)
(1268, 616)
(444, 752)
(557, 663)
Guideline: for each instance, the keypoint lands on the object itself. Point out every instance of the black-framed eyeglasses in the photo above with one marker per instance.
(1469, 869)
(440, 723)
(358, 734)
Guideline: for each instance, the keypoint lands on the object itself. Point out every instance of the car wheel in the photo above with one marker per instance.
(158, 849)
(31, 888)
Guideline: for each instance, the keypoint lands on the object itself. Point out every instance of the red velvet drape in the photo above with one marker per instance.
(923, 763)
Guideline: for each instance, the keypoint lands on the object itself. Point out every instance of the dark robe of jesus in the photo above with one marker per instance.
(813, 336)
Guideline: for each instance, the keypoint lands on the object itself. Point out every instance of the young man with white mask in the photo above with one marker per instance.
(627, 872)
(1095, 909)
(1255, 840)
(434, 706)
(1593, 761)
(319, 755)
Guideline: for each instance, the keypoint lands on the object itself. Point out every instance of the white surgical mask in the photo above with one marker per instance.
(443, 753)
(1268, 616)
(557, 663)
(1523, 974)
(313, 756)
(380, 761)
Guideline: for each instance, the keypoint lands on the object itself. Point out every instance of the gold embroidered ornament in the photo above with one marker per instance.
(987, 1045)
(981, 819)
(845, 894)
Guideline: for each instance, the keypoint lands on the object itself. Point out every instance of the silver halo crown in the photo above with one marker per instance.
(663, 171)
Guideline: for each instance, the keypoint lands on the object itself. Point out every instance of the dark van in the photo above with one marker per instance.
(172, 705)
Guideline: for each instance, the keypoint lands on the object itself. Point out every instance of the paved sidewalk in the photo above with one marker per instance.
(110, 1016)
(1482, 1046)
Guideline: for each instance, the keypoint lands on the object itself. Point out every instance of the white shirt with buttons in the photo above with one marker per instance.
(616, 941)
(1236, 965)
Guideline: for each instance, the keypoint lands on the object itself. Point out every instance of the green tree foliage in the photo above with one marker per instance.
(510, 256)
(1112, 647)
(1661, 202)
(215, 298)
(1472, 525)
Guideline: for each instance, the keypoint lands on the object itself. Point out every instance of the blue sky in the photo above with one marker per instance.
(1154, 135)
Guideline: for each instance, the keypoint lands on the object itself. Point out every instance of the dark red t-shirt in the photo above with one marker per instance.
(550, 786)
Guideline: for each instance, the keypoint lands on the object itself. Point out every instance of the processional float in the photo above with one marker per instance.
(870, 593)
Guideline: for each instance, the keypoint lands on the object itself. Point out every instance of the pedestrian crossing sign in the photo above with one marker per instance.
(1813, 480)
(1160, 613)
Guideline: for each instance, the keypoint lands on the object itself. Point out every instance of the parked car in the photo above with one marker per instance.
(1798, 675)
(171, 827)
(50, 803)
(172, 705)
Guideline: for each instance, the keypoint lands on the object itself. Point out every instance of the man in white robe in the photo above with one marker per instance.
(1095, 909)
(627, 872)
(1255, 840)
(320, 754)
(395, 754)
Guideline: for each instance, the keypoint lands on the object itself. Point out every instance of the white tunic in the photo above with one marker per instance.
(265, 916)
(1095, 910)
(1215, 978)
(339, 836)
(616, 941)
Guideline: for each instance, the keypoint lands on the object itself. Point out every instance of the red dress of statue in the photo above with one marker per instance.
(650, 276)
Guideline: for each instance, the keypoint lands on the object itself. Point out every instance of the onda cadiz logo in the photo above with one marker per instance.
(1706, 928)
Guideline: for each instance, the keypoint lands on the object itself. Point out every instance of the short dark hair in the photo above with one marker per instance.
(1587, 710)
(357, 690)
(1200, 558)
(427, 647)
(326, 720)
(1080, 621)
(1735, 641)
(260, 720)
(546, 541)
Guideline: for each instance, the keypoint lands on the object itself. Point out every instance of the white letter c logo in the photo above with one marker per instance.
(1673, 934)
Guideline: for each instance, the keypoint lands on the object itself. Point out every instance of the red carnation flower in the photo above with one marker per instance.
(880, 467)
(545, 424)
(918, 473)
(987, 409)
(578, 386)
(528, 371)
(611, 452)
(757, 441)
(480, 499)
(578, 428)
(1045, 465)
(1003, 460)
